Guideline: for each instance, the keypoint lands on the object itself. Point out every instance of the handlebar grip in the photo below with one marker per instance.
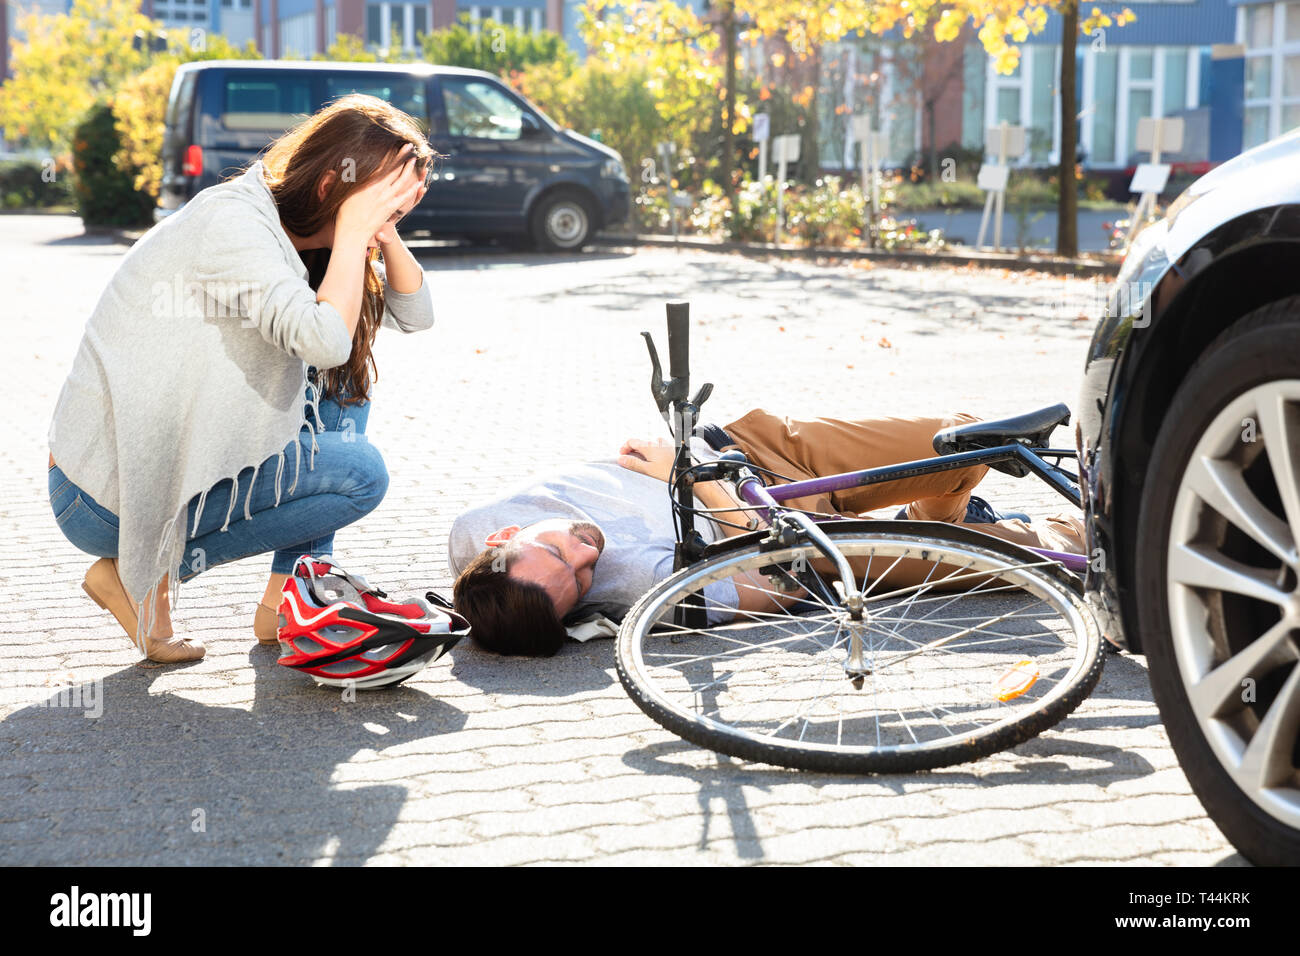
(679, 341)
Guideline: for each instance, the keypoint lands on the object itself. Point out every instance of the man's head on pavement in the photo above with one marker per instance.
(516, 593)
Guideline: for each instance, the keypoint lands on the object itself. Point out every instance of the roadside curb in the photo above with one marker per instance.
(1086, 268)
(991, 260)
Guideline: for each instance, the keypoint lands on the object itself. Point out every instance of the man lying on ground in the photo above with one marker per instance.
(594, 538)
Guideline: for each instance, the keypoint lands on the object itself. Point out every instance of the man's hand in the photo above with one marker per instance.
(650, 457)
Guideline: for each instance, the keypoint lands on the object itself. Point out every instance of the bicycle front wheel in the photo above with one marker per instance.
(969, 645)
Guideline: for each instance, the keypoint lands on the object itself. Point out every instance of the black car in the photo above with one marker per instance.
(1189, 446)
(510, 171)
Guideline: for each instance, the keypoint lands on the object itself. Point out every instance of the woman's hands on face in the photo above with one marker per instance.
(388, 234)
(370, 208)
(653, 457)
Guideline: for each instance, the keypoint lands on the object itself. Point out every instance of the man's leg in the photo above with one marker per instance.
(828, 446)
(809, 449)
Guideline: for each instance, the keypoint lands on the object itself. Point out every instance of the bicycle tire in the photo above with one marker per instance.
(1075, 665)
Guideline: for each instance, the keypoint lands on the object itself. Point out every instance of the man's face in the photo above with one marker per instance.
(560, 556)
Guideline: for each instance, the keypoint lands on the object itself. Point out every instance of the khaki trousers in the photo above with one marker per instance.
(829, 446)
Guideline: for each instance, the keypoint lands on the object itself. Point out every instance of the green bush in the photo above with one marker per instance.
(826, 214)
(963, 194)
(34, 184)
(105, 191)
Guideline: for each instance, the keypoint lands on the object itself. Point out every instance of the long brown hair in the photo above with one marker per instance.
(357, 137)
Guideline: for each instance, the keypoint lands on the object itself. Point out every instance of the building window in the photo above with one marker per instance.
(298, 35)
(526, 16)
(407, 20)
(1272, 35)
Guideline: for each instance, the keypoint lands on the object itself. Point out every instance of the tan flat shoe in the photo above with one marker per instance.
(104, 587)
(266, 625)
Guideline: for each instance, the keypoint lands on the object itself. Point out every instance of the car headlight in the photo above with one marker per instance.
(613, 169)
(1145, 263)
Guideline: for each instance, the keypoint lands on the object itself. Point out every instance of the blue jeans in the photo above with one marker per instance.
(348, 482)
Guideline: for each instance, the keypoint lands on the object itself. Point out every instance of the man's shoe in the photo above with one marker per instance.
(978, 511)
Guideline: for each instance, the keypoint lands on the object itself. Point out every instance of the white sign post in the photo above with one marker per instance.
(1153, 134)
(785, 150)
(667, 154)
(874, 146)
(762, 133)
(1006, 143)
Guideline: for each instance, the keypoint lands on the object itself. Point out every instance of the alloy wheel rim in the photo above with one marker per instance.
(1234, 604)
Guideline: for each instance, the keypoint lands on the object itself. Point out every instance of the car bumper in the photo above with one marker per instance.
(617, 202)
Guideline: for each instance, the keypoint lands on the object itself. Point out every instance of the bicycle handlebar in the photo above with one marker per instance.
(679, 345)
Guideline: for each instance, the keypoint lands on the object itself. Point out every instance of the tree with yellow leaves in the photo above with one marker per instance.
(808, 25)
(67, 62)
(674, 49)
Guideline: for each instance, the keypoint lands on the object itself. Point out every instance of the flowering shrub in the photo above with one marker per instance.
(827, 214)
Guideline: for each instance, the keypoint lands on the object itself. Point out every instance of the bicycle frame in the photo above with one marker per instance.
(673, 392)
(768, 499)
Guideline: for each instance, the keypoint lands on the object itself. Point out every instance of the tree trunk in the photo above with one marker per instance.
(729, 105)
(1067, 211)
(810, 164)
(929, 106)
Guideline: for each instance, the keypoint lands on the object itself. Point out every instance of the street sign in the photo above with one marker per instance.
(1170, 139)
(1005, 142)
(762, 127)
(1156, 134)
(785, 149)
(873, 147)
(993, 176)
(1012, 148)
(1150, 178)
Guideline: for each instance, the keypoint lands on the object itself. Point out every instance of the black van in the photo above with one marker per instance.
(510, 172)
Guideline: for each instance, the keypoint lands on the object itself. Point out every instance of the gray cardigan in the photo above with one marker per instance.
(193, 367)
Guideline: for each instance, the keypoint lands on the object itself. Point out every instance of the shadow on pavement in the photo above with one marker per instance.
(725, 779)
(558, 676)
(437, 255)
(160, 779)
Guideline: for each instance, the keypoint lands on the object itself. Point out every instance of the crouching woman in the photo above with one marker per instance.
(217, 404)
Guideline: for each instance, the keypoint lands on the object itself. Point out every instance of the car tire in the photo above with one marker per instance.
(562, 222)
(1220, 697)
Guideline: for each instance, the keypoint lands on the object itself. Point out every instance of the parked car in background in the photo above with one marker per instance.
(510, 172)
(1189, 450)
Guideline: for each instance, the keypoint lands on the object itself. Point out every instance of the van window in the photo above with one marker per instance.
(479, 109)
(265, 102)
(178, 110)
(404, 92)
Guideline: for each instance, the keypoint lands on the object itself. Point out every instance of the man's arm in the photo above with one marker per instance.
(656, 458)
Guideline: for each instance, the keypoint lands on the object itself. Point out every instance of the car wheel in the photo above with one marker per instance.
(562, 222)
(1217, 580)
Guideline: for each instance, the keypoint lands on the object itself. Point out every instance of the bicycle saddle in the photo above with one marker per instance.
(1031, 429)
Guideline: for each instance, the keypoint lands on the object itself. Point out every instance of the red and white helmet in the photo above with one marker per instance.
(340, 629)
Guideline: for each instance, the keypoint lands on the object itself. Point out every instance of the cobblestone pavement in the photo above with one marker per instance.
(535, 362)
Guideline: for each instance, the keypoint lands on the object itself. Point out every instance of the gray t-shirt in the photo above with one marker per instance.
(634, 512)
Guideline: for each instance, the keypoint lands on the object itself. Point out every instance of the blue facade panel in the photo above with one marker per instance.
(290, 8)
(1200, 23)
(1227, 95)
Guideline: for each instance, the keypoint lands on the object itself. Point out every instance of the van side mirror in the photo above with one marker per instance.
(529, 128)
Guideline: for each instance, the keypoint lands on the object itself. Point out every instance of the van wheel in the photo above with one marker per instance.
(562, 222)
